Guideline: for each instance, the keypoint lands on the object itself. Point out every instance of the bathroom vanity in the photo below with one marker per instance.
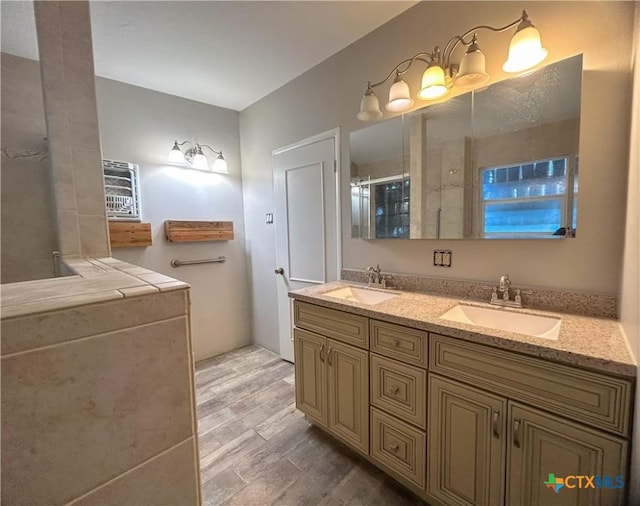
(462, 414)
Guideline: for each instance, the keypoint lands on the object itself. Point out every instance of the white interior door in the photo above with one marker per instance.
(307, 222)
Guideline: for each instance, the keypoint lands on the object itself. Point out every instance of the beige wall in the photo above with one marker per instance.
(139, 126)
(329, 95)
(28, 224)
(630, 285)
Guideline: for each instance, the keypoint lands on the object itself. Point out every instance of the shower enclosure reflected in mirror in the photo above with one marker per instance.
(501, 162)
(380, 183)
(29, 232)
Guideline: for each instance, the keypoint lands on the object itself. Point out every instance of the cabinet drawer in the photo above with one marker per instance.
(589, 397)
(345, 327)
(399, 389)
(396, 341)
(398, 447)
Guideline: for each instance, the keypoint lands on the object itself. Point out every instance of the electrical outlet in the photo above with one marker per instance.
(269, 220)
(442, 257)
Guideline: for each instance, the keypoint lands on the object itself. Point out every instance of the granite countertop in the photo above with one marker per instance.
(594, 343)
(95, 280)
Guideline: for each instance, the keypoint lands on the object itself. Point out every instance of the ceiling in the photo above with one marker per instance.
(228, 54)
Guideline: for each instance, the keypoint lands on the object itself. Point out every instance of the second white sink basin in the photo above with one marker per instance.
(544, 327)
(361, 295)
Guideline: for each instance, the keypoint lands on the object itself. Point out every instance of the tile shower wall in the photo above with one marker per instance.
(99, 409)
(66, 60)
(28, 224)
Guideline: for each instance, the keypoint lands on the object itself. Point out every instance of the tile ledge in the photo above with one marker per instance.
(96, 280)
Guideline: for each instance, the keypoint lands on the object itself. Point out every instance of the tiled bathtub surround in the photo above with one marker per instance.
(97, 389)
(580, 303)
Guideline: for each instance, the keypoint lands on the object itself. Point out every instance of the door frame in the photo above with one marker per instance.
(334, 134)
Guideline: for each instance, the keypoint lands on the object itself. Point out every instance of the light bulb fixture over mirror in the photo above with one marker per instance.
(441, 74)
(195, 157)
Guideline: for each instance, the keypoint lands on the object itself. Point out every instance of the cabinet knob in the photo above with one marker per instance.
(394, 447)
(395, 343)
(395, 391)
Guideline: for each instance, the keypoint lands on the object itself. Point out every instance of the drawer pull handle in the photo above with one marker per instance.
(396, 390)
(394, 447)
(495, 423)
(516, 433)
(395, 343)
(329, 355)
(322, 353)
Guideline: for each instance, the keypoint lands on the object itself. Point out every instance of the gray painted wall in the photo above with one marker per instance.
(329, 94)
(630, 310)
(139, 126)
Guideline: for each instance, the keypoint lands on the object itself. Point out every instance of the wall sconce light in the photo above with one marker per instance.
(525, 52)
(196, 158)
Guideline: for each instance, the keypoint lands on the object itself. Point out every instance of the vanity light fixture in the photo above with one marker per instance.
(525, 52)
(195, 157)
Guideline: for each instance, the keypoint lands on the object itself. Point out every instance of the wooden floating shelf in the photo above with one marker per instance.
(126, 234)
(194, 231)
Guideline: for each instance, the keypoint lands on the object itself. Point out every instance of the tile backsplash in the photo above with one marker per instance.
(562, 301)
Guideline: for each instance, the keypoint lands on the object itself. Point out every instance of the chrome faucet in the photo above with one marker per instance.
(375, 277)
(503, 286)
(504, 299)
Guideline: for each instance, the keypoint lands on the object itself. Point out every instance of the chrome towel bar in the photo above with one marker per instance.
(178, 263)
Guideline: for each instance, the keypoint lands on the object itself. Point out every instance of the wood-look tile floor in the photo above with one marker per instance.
(257, 449)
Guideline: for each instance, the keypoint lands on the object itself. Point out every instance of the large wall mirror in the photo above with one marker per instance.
(499, 162)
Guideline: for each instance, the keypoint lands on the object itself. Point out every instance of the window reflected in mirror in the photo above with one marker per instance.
(528, 199)
(499, 162)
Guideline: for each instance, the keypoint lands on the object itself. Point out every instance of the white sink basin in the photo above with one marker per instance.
(361, 295)
(536, 326)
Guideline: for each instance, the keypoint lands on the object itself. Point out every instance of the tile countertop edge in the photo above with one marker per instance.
(608, 353)
(95, 280)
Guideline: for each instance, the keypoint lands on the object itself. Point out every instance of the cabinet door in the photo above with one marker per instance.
(348, 379)
(311, 375)
(552, 461)
(466, 444)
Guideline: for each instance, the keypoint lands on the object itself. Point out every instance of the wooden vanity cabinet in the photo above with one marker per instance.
(488, 448)
(348, 389)
(332, 382)
(398, 384)
(466, 450)
(539, 443)
(461, 423)
(311, 375)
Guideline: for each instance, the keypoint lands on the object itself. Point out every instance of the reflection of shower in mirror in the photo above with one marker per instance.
(501, 162)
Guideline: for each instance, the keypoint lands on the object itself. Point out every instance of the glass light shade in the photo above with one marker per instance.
(220, 164)
(176, 155)
(369, 107)
(472, 69)
(199, 161)
(525, 50)
(433, 83)
(399, 97)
